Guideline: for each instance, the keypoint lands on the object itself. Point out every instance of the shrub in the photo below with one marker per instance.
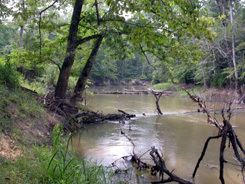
(8, 74)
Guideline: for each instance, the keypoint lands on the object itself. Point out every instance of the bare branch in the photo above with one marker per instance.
(203, 153)
(97, 12)
(148, 61)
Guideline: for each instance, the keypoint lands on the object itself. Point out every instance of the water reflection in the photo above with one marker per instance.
(180, 137)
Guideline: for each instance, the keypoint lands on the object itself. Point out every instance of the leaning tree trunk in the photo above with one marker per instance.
(80, 85)
(62, 83)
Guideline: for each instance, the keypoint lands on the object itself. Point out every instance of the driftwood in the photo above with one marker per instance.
(75, 119)
(159, 166)
(157, 96)
(124, 92)
(78, 120)
(242, 99)
(87, 117)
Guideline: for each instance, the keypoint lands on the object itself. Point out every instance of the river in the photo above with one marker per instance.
(178, 135)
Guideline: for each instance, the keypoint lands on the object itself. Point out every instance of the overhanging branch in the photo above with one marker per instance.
(86, 39)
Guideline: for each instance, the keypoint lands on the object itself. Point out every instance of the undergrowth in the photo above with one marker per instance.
(16, 104)
(162, 86)
(55, 165)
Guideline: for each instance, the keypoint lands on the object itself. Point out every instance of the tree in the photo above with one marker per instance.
(62, 83)
(81, 82)
(141, 28)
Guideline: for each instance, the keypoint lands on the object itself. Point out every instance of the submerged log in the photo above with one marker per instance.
(124, 92)
(78, 120)
(87, 117)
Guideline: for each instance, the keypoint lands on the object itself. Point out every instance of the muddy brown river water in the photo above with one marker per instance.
(179, 136)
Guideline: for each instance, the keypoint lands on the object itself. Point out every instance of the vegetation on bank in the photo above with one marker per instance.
(30, 153)
(53, 165)
(57, 47)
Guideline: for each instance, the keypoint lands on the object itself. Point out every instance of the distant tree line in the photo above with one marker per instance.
(66, 44)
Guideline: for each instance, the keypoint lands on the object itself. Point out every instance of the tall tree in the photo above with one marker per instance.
(62, 83)
(81, 82)
(157, 26)
(231, 7)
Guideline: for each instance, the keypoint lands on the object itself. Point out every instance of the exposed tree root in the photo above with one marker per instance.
(76, 119)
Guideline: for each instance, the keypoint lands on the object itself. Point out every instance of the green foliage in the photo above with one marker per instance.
(16, 104)
(29, 169)
(6, 33)
(8, 74)
(163, 86)
(219, 80)
(40, 165)
(26, 58)
(170, 33)
(65, 168)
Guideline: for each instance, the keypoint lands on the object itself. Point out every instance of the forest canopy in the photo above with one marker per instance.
(193, 42)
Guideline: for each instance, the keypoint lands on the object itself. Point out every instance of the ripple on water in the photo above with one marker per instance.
(179, 136)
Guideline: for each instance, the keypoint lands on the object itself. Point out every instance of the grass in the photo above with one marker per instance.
(163, 86)
(50, 165)
(177, 88)
(43, 164)
(16, 104)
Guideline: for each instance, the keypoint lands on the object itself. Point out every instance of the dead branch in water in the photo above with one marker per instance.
(159, 167)
(158, 95)
(225, 131)
(75, 118)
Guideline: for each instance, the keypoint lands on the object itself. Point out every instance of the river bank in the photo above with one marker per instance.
(30, 144)
(33, 148)
(145, 87)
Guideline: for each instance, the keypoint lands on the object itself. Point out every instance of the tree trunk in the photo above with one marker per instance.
(21, 36)
(203, 68)
(157, 96)
(62, 83)
(80, 85)
(22, 26)
(233, 48)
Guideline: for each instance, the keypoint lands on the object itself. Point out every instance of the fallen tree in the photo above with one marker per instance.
(159, 166)
(78, 120)
(225, 132)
